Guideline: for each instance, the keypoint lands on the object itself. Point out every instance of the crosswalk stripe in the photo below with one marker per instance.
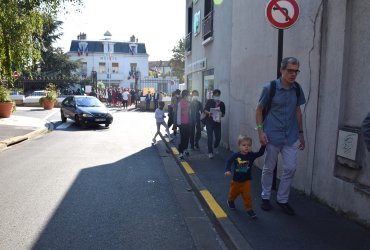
(64, 125)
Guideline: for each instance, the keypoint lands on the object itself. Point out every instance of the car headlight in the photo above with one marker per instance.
(86, 115)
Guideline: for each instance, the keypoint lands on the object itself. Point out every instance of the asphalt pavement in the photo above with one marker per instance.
(315, 225)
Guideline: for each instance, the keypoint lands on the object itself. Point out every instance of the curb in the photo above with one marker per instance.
(17, 139)
(224, 226)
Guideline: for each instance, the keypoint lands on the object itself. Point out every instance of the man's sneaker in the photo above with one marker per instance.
(154, 141)
(286, 208)
(181, 156)
(265, 205)
(186, 153)
(231, 205)
(210, 156)
(252, 214)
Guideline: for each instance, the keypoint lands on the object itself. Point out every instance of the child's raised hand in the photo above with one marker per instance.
(227, 173)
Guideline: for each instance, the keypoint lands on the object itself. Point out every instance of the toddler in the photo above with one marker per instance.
(242, 163)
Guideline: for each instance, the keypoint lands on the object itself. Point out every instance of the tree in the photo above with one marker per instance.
(21, 28)
(54, 62)
(178, 60)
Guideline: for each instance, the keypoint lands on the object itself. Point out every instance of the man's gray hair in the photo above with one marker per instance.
(288, 60)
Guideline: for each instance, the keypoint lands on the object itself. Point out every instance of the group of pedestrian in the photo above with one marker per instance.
(185, 113)
(280, 130)
(120, 97)
(156, 97)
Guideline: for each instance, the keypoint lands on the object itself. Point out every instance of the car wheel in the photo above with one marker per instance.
(64, 119)
(77, 121)
(107, 125)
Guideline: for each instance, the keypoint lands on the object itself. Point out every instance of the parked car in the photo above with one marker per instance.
(35, 96)
(85, 110)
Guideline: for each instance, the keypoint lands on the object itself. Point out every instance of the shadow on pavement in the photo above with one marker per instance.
(127, 204)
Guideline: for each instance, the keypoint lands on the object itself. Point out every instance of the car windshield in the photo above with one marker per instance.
(39, 93)
(88, 102)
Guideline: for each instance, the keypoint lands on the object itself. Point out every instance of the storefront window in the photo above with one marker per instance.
(209, 86)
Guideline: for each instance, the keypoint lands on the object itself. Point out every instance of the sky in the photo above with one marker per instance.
(159, 24)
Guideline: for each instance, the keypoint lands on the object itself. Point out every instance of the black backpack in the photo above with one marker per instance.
(272, 91)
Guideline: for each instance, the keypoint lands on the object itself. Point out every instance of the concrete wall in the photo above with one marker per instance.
(343, 100)
(331, 40)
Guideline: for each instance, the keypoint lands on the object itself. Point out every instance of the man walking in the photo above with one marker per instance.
(281, 131)
(156, 99)
(148, 98)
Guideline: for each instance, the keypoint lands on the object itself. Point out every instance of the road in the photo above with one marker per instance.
(93, 188)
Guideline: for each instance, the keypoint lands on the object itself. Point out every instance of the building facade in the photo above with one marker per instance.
(115, 63)
(231, 46)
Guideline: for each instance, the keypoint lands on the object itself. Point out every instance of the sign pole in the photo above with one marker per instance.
(280, 51)
(278, 74)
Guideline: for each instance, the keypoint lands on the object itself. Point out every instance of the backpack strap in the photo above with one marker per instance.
(272, 91)
(297, 90)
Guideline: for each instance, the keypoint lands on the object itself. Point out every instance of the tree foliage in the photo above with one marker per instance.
(21, 29)
(178, 60)
(54, 62)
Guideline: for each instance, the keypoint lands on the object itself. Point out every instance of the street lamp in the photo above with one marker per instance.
(107, 36)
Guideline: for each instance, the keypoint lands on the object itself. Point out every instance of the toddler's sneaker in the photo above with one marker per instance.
(210, 156)
(231, 205)
(252, 214)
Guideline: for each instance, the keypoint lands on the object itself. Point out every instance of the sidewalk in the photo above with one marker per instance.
(20, 127)
(17, 128)
(315, 226)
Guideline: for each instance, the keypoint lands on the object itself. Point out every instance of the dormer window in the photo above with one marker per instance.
(133, 49)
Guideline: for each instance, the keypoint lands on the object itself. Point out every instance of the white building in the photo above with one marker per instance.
(232, 47)
(115, 62)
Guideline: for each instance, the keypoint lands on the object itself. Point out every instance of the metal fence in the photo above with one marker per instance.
(166, 85)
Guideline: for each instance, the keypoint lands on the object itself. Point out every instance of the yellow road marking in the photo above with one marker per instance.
(213, 205)
(174, 150)
(187, 167)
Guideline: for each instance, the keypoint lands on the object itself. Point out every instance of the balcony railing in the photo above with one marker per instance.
(188, 42)
(207, 24)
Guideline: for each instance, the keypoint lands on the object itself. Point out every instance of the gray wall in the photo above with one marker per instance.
(331, 39)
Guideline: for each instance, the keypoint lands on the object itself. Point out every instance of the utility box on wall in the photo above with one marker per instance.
(347, 166)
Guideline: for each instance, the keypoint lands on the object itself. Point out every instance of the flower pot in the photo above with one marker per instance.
(6, 109)
(48, 104)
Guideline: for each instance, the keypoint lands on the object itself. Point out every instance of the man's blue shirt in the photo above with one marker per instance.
(281, 123)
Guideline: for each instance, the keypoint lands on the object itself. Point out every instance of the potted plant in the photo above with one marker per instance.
(49, 100)
(7, 105)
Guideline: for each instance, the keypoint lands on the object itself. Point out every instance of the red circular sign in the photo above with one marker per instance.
(282, 14)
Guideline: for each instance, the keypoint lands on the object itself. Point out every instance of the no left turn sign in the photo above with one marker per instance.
(282, 14)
